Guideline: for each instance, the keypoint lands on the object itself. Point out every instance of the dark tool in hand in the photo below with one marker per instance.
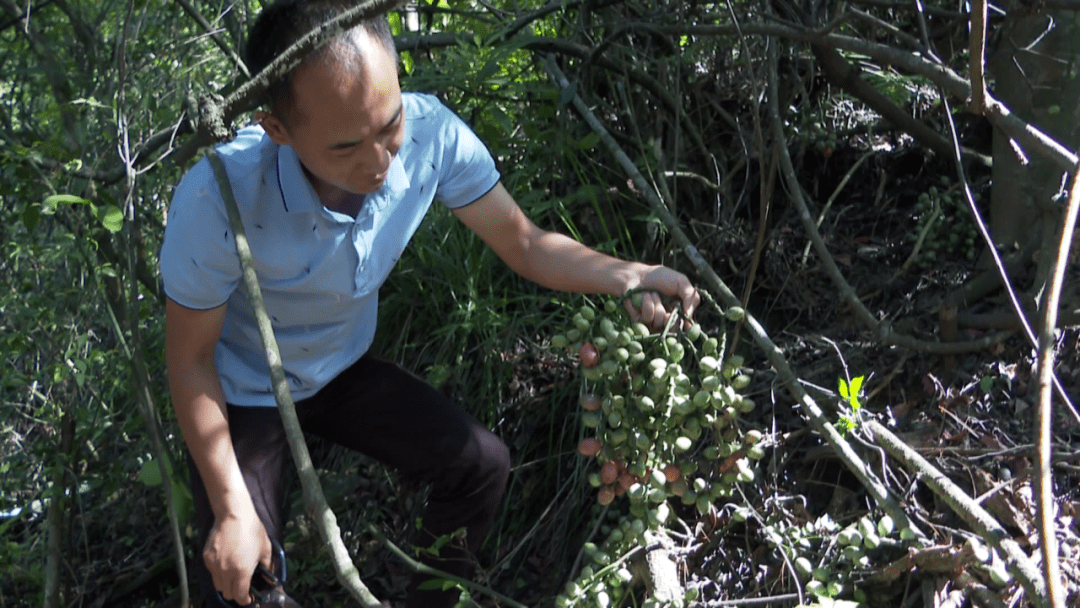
(267, 587)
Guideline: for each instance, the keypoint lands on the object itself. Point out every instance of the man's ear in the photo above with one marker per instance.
(273, 127)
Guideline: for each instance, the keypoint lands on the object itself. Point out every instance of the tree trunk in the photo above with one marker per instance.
(1035, 71)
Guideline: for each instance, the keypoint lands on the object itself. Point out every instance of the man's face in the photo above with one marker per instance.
(347, 123)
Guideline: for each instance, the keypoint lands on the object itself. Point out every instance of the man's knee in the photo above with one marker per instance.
(479, 472)
(495, 458)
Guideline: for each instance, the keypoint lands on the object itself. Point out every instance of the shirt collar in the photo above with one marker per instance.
(299, 196)
(296, 191)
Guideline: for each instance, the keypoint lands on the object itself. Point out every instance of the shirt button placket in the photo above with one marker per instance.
(361, 254)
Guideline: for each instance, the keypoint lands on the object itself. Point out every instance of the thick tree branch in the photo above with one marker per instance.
(314, 499)
(843, 74)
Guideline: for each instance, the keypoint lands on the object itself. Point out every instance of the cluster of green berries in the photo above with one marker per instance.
(659, 409)
(953, 232)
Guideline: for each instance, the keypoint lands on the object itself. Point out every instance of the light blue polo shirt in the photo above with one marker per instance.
(319, 270)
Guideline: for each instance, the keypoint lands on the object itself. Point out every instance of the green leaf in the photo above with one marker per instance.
(49, 205)
(855, 389)
(589, 141)
(150, 473)
(437, 584)
(112, 218)
(31, 215)
(850, 393)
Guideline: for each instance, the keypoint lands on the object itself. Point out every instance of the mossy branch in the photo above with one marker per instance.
(314, 499)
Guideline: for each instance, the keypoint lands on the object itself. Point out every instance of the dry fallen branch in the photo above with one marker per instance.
(1022, 566)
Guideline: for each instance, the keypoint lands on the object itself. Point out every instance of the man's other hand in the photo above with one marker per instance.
(235, 546)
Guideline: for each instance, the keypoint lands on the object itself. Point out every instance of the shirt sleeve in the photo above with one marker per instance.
(468, 170)
(200, 268)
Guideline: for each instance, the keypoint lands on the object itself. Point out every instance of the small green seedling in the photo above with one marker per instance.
(850, 392)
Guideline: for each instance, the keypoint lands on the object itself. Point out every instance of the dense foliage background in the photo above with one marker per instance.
(96, 99)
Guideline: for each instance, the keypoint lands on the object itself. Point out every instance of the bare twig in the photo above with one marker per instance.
(844, 451)
(1044, 482)
(210, 31)
(935, 215)
(694, 176)
(314, 499)
(976, 53)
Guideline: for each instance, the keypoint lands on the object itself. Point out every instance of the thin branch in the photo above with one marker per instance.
(213, 33)
(977, 52)
(1044, 482)
(521, 22)
(834, 195)
(844, 451)
(900, 34)
(422, 568)
(216, 116)
(314, 499)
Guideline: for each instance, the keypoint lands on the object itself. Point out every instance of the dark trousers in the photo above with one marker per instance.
(378, 409)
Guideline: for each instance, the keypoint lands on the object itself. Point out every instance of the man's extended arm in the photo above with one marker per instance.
(238, 539)
(559, 262)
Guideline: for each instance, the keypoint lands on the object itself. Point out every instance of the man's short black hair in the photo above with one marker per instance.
(281, 24)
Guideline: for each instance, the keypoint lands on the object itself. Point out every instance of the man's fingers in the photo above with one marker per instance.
(652, 310)
(690, 300)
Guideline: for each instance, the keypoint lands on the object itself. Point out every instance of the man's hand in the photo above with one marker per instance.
(652, 310)
(235, 546)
